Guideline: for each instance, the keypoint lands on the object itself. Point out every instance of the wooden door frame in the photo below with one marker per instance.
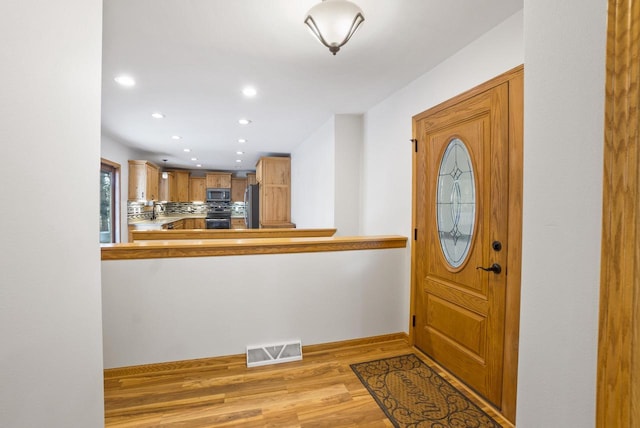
(515, 77)
(618, 380)
(117, 223)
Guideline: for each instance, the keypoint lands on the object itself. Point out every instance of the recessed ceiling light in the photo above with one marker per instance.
(249, 91)
(187, 150)
(125, 81)
(176, 137)
(242, 140)
(239, 153)
(238, 160)
(157, 115)
(199, 166)
(244, 121)
(194, 159)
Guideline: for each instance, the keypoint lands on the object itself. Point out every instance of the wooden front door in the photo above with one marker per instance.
(461, 247)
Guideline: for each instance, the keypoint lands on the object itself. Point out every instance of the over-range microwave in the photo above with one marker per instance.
(218, 195)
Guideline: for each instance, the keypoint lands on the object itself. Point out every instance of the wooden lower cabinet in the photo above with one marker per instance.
(193, 223)
(238, 223)
(178, 224)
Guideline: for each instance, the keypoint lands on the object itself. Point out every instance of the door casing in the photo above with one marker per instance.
(618, 387)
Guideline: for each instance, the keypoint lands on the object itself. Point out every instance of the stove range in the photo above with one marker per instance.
(218, 216)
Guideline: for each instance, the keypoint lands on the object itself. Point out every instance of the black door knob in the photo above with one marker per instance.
(495, 268)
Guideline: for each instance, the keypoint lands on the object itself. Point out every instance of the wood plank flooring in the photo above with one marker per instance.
(319, 391)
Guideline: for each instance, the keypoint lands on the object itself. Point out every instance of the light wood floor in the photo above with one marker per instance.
(319, 391)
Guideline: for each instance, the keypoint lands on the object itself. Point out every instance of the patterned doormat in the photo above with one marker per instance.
(411, 394)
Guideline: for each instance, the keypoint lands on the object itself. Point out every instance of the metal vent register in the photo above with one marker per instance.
(274, 353)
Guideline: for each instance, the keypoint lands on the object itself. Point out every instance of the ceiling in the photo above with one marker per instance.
(191, 58)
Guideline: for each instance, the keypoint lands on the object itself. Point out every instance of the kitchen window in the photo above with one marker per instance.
(109, 205)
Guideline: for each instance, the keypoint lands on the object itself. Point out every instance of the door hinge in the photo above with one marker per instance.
(415, 144)
(413, 321)
(415, 234)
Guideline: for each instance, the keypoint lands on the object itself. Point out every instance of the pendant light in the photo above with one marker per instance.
(333, 22)
(165, 174)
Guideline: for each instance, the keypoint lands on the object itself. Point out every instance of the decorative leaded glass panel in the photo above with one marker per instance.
(456, 203)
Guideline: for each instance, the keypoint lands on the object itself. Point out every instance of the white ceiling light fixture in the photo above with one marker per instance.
(333, 22)
(126, 81)
(157, 115)
(241, 140)
(244, 121)
(176, 137)
(249, 91)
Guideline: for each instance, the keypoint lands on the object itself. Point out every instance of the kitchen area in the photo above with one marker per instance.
(169, 199)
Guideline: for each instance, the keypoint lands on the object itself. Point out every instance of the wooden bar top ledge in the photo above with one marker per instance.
(154, 249)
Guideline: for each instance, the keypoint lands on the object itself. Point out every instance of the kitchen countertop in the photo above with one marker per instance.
(146, 224)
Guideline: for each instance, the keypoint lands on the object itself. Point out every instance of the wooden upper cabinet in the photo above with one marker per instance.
(219, 180)
(182, 186)
(259, 170)
(251, 178)
(175, 188)
(238, 186)
(197, 189)
(274, 170)
(153, 182)
(274, 176)
(143, 181)
(168, 187)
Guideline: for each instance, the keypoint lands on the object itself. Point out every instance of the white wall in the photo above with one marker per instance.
(175, 309)
(564, 116)
(50, 304)
(313, 179)
(348, 173)
(387, 149)
(117, 152)
(326, 176)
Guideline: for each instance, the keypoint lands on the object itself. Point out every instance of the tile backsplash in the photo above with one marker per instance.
(140, 211)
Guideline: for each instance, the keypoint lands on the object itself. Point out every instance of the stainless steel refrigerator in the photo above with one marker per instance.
(252, 206)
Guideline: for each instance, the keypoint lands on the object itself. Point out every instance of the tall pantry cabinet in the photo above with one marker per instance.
(274, 176)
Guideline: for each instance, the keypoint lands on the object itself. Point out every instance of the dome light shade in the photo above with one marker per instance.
(333, 22)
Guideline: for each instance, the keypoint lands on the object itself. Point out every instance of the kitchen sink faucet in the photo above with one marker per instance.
(153, 209)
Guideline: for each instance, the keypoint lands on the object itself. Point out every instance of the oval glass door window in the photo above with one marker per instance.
(456, 203)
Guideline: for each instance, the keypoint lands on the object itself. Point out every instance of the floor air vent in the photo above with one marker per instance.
(272, 354)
